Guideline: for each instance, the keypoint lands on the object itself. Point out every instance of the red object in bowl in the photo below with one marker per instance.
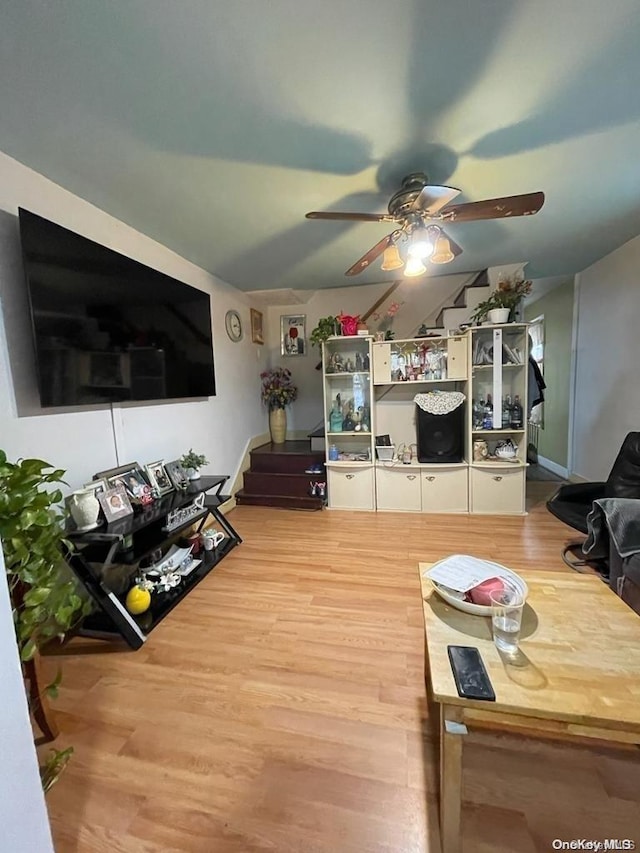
(481, 594)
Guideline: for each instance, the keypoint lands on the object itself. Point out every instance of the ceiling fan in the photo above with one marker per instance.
(418, 209)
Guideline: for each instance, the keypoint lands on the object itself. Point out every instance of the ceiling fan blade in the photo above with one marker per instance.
(355, 217)
(433, 199)
(495, 208)
(371, 255)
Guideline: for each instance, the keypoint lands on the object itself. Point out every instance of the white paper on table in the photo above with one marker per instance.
(461, 572)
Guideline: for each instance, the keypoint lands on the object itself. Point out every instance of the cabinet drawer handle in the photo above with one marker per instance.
(430, 479)
(411, 476)
(497, 479)
(351, 476)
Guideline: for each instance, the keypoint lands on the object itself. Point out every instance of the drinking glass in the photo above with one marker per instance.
(506, 619)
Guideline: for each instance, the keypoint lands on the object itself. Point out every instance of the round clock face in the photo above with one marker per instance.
(233, 325)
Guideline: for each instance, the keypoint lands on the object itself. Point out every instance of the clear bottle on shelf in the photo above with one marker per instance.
(516, 414)
(487, 420)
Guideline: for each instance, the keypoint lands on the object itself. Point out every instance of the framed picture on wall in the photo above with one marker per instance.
(257, 335)
(293, 340)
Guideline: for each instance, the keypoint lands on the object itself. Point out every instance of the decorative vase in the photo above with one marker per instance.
(84, 509)
(498, 315)
(278, 425)
(193, 473)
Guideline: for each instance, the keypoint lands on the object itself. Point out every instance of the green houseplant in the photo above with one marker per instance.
(326, 328)
(192, 463)
(507, 295)
(45, 595)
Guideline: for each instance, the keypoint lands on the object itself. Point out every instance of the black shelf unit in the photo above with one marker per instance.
(106, 559)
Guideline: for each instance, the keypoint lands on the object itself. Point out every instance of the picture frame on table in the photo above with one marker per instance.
(115, 503)
(293, 338)
(132, 479)
(158, 477)
(257, 334)
(98, 486)
(177, 475)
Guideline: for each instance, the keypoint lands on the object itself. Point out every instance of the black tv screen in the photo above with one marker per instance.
(108, 328)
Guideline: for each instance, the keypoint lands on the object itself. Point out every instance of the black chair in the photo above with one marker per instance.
(572, 502)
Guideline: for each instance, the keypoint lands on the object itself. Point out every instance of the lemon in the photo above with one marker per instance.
(138, 600)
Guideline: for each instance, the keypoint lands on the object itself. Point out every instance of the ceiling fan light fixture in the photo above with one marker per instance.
(421, 245)
(391, 259)
(442, 253)
(414, 266)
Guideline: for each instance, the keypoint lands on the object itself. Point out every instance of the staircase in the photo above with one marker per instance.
(276, 476)
(451, 316)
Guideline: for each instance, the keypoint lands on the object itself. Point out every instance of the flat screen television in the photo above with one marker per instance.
(110, 329)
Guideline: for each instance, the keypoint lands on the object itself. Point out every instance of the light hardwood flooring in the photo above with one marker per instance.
(281, 707)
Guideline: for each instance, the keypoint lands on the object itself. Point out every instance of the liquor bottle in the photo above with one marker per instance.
(516, 414)
(506, 411)
(487, 421)
(477, 412)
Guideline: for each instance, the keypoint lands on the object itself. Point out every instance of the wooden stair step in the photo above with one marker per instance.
(291, 457)
(293, 485)
(282, 501)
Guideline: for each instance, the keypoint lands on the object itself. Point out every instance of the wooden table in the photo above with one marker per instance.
(576, 676)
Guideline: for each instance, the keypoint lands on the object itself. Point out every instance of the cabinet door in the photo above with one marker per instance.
(351, 488)
(381, 363)
(444, 489)
(497, 490)
(457, 358)
(398, 489)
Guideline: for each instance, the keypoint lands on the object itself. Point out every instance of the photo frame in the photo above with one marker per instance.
(115, 503)
(98, 486)
(177, 475)
(293, 337)
(158, 478)
(257, 335)
(134, 483)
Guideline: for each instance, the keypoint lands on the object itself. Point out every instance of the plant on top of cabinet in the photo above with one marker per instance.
(509, 292)
(327, 327)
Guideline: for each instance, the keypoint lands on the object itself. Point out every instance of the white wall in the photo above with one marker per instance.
(86, 441)
(23, 815)
(607, 389)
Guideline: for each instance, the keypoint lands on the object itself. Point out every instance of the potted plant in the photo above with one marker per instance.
(278, 391)
(326, 328)
(500, 306)
(192, 463)
(45, 595)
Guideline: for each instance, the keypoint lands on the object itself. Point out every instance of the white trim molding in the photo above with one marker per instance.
(553, 467)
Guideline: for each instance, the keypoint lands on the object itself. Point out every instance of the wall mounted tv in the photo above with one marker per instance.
(107, 328)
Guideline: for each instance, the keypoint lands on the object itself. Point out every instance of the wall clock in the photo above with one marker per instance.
(233, 325)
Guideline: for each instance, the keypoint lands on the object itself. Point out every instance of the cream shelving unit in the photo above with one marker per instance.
(347, 386)
(429, 364)
(497, 486)
(384, 379)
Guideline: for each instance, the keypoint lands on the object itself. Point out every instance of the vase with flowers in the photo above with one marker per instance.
(278, 391)
(501, 305)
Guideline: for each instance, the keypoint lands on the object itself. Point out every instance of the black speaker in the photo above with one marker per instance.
(440, 437)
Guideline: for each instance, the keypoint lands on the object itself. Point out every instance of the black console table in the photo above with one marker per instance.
(106, 560)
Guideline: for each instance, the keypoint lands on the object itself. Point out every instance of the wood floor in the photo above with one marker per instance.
(281, 707)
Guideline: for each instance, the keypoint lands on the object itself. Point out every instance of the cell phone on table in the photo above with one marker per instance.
(472, 680)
